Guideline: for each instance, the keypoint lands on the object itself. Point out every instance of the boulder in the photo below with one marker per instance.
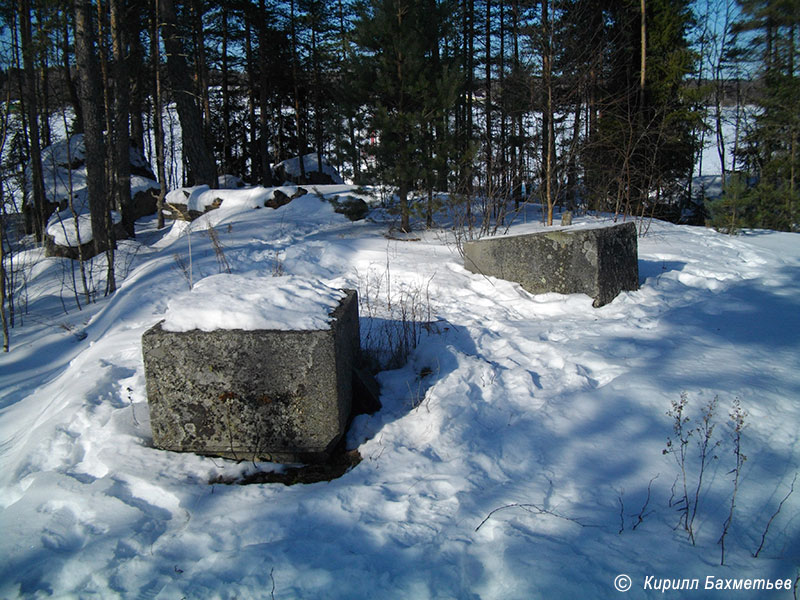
(144, 198)
(281, 198)
(61, 238)
(351, 207)
(289, 171)
(187, 204)
(230, 182)
(64, 165)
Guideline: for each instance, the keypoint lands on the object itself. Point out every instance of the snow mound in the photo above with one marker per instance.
(291, 168)
(230, 182)
(139, 183)
(72, 231)
(519, 454)
(64, 166)
(201, 198)
(226, 301)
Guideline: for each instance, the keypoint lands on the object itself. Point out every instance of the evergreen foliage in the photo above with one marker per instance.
(770, 152)
(644, 133)
(590, 104)
(733, 210)
(413, 88)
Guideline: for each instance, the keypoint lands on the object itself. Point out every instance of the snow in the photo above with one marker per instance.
(201, 197)
(518, 453)
(228, 301)
(707, 181)
(62, 226)
(310, 164)
(142, 184)
(61, 182)
(64, 174)
(231, 182)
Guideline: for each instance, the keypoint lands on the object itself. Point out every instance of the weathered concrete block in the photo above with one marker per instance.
(283, 396)
(600, 262)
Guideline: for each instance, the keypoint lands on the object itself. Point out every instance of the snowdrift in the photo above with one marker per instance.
(518, 454)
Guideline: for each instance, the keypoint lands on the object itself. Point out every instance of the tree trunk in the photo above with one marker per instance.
(31, 108)
(157, 116)
(251, 152)
(43, 92)
(121, 166)
(266, 170)
(297, 119)
(469, 23)
(516, 119)
(429, 209)
(200, 160)
(136, 74)
(488, 107)
(572, 175)
(548, 128)
(3, 290)
(90, 95)
(719, 90)
(44, 104)
(501, 67)
(351, 129)
(790, 199)
(77, 126)
(105, 86)
(594, 177)
(317, 103)
(201, 73)
(405, 209)
(643, 52)
(227, 154)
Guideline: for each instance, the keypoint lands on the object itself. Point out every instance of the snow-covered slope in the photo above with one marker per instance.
(518, 454)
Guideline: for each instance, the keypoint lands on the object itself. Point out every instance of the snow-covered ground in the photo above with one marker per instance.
(518, 454)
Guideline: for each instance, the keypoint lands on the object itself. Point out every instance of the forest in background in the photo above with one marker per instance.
(588, 104)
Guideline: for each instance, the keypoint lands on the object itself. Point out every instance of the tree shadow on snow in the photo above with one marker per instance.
(656, 268)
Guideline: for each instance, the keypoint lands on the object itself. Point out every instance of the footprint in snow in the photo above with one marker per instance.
(63, 531)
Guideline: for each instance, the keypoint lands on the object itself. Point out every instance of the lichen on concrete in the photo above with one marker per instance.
(256, 395)
(600, 262)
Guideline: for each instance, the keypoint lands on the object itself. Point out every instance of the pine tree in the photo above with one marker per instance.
(94, 141)
(411, 86)
(38, 212)
(641, 141)
(770, 151)
(201, 161)
(121, 141)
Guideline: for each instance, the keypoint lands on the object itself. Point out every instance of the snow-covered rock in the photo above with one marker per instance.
(64, 170)
(70, 236)
(289, 170)
(230, 182)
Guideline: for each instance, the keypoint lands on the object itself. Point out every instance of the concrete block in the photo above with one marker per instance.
(282, 396)
(600, 261)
